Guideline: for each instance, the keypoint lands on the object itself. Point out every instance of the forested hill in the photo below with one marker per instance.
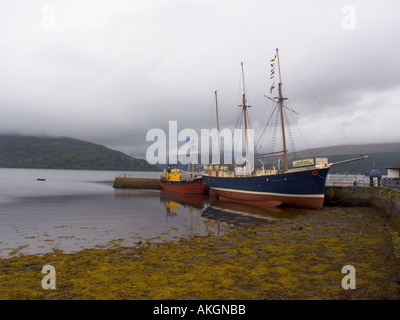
(64, 153)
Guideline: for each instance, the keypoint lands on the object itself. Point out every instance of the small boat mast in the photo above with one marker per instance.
(245, 106)
(219, 147)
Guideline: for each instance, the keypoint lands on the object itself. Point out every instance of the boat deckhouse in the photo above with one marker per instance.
(394, 171)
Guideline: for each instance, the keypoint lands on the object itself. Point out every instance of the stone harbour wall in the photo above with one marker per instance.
(385, 200)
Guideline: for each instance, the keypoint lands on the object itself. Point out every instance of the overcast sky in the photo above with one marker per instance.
(109, 71)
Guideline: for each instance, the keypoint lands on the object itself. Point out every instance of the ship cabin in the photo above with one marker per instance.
(172, 173)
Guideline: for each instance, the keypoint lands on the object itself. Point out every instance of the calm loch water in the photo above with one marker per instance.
(76, 209)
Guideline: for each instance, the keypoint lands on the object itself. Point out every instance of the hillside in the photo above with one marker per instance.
(64, 153)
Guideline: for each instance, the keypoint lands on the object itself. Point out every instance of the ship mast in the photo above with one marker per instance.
(281, 99)
(193, 158)
(219, 147)
(245, 116)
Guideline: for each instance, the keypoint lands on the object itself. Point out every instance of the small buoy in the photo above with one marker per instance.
(314, 173)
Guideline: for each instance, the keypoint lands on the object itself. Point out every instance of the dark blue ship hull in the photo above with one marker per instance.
(301, 189)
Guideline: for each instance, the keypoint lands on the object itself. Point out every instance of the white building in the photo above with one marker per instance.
(394, 171)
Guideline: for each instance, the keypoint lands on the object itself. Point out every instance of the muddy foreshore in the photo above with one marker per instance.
(293, 258)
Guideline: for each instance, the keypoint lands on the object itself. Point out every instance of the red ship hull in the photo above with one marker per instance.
(196, 186)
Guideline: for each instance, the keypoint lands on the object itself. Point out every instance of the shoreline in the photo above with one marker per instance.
(298, 258)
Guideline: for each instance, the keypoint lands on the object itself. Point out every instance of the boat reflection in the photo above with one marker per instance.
(247, 215)
(173, 201)
(191, 199)
(184, 211)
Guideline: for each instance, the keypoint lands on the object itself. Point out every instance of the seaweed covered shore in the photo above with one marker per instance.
(299, 258)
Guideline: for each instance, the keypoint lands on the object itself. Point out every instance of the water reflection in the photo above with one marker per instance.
(214, 211)
(242, 214)
(239, 213)
(184, 210)
(186, 199)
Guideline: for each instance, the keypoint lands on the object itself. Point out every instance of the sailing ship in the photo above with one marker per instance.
(302, 186)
